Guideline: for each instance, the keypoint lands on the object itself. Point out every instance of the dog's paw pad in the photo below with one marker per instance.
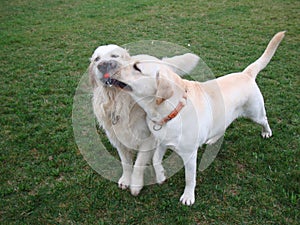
(187, 199)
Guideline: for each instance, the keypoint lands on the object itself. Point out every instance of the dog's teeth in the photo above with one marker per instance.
(109, 82)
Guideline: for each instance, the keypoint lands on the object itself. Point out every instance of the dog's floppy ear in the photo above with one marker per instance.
(164, 88)
(92, 77)
(182, 64)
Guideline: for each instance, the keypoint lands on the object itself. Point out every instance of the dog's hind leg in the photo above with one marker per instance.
(266, 130)
(257, 113)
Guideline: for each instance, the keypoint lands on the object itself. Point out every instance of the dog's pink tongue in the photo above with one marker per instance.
(106, 75)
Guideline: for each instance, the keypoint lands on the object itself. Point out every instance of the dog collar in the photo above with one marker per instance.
(158, 125)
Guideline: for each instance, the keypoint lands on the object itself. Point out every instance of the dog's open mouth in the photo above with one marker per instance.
(113, 82)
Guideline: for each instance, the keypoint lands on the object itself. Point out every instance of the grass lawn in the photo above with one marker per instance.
(44, 51)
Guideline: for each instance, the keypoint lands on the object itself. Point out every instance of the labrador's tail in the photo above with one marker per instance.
(254, 68)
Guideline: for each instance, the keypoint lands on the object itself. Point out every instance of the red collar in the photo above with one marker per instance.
(157, 126)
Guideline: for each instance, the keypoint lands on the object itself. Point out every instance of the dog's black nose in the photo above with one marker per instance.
(107, 66)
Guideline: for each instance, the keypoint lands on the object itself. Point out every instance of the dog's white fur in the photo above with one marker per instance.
(210, 107)
(122, 119)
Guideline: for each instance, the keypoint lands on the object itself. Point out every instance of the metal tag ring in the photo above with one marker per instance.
(114, 118)
(157, 127)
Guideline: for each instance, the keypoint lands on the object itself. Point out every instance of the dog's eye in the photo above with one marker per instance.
(136, 68)
(97, 59)
(115, 56)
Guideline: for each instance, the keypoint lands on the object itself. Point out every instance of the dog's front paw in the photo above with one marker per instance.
(135, 189)
(266, 134)
(124, 182)
(161, 177)
(159, 172)
(188, 198)
(136, 185)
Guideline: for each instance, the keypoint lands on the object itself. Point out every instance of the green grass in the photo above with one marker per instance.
(45, 49)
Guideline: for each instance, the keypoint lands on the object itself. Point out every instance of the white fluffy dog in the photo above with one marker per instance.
(122, 119)
(184, 114)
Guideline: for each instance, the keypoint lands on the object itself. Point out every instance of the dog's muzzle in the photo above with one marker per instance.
(108, 69)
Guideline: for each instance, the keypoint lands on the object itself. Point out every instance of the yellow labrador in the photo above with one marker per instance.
(184, 114)
(123, 121)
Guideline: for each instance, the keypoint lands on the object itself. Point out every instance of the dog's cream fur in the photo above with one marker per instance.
(210, 107)
(122, 119)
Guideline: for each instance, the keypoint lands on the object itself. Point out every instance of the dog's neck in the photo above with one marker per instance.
(160, 112)
(174, 112)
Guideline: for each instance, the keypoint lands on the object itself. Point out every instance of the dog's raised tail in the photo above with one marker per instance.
(254, 68)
